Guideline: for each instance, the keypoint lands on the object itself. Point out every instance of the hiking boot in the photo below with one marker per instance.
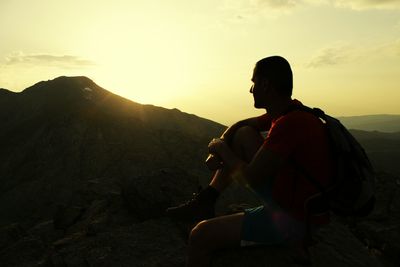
(200, 207)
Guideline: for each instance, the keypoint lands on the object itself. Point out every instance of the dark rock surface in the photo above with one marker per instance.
(150, 243)
(336, 246)
(85, 177)
(381, 229)
(148, 196)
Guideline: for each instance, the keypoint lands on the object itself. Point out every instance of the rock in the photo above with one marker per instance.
(46, 232)
(148, 196)
(90, 214)
(66, 216)
(98, 225)
(336, 247)
(27, 251)
(147, 244)
(384, 238)
(380, 231)
(10, 234)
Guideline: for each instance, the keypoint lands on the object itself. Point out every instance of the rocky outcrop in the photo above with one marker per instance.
(109, 232)
(150, 243)
(148, 196)
(381, 229)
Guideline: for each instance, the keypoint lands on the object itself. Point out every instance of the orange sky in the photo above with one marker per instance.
(198, 56)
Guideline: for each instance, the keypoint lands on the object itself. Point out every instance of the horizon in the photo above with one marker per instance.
(339, 117)
(164, 54)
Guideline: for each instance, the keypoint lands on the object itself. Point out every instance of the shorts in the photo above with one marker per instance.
(270, 226)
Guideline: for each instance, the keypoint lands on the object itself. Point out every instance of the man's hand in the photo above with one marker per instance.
(216, 145)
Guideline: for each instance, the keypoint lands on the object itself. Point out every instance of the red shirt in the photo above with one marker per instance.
(301, 137)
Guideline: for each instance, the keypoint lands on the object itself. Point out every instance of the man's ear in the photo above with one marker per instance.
(266, 85)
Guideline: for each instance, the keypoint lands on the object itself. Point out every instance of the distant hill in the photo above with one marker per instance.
(382, 123)
(382, 148)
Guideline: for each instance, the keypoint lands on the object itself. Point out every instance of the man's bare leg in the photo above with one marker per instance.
(223, 231)
(210, 235)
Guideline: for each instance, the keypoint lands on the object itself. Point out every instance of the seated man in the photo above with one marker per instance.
(267, 167)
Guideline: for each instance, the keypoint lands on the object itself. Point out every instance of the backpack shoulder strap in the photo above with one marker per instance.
(321, 115)
(315, 111)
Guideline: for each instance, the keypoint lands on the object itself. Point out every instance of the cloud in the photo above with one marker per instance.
(66, 61)
(333, 55)
(342, 53)
(265, 8)
(278, 4)
(287, 5)
(255, 5)
(367, 4)
(239, 11)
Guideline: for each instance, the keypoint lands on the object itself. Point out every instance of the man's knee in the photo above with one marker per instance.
(246, 142)
(244, 133)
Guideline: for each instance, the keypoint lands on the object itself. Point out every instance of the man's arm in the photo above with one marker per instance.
(252, 122)
(213, 161)
(261, 171)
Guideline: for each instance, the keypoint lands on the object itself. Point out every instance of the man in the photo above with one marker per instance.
(269, 167)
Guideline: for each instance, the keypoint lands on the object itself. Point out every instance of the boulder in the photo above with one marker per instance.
(148, 196)
(66, 216)
(10, 234)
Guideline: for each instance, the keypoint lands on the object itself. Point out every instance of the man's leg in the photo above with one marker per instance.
(224, 231)
(246, 143)
(210, 235)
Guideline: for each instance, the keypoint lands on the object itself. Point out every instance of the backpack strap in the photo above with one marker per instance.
(324, 196)
(319, 113)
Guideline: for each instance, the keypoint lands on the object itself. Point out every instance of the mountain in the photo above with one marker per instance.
(383, 149)
(381, 123)
(60, 134)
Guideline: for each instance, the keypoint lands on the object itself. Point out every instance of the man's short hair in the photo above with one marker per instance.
(277, 71)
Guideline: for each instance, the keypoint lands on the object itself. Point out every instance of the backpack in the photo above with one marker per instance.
(352, 191)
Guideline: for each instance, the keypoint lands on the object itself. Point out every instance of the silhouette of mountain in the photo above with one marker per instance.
(57, 134)
(4, 91)
(382, 123)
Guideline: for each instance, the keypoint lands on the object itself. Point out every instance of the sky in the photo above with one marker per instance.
(198, 56)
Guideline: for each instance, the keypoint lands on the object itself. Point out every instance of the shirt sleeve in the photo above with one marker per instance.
(284, 136)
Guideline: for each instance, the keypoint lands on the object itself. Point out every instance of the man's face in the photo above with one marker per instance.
(259, 89)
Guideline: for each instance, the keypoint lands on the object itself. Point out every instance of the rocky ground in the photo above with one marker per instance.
(125, 226)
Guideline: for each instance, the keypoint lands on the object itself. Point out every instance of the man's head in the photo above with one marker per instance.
(272, 77)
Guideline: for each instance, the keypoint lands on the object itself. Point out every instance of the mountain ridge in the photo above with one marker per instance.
(374, 122)
(68, 130)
